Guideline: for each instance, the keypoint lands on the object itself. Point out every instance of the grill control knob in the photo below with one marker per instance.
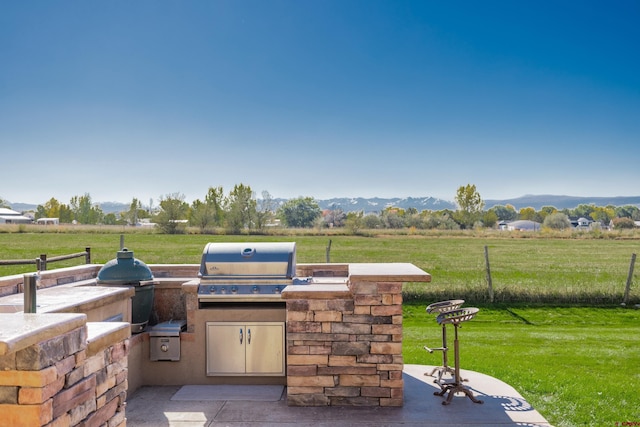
(276, 290)
(234, 290)
(212, 289)
(223, 290)
(255, 290)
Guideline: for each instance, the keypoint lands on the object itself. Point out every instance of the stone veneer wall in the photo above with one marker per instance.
(345, 349)
(64, 381)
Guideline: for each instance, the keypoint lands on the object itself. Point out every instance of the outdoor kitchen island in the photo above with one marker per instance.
(342, 341)
(333, 333)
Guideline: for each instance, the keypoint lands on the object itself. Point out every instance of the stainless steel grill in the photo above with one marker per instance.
(246, 272)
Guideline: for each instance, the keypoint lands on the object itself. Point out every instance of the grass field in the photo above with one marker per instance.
(534, 270)
(556, 331)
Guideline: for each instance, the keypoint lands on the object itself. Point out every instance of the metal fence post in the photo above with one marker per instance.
(627, 288)
(30, 290)
(486, 259)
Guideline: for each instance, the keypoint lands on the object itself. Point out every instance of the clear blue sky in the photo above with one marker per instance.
(124, 99)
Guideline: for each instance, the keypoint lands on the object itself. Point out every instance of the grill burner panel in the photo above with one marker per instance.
(236, 291)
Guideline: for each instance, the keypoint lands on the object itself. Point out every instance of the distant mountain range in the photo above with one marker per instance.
(431, 203)
(377, 204)
(563, 202)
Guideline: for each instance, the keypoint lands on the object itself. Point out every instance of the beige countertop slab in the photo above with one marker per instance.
(316, 291)
(102, 334)
(71, 299)
(388, 272)
(20, 330)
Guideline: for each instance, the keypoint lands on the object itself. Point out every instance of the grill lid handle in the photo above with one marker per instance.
(248, 252)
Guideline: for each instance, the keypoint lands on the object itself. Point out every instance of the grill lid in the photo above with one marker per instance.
(264, 260)
(124, 269)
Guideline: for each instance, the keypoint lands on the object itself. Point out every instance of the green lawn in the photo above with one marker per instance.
(576, 365)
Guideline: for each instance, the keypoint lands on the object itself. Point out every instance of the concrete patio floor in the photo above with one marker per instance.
(503, 406)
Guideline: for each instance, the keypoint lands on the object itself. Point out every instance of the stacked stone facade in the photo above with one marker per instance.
(64, 381)
(345, 348)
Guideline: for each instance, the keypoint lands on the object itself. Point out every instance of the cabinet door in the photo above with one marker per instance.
(226, 348)
(265, 348)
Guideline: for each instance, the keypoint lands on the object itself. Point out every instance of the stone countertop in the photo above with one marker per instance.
(71, 299)
(101, 334)
(21, 330)
(336, 287)
(319, 287)
(388, 272)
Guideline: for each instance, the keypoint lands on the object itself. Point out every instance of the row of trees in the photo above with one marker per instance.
(240, 210)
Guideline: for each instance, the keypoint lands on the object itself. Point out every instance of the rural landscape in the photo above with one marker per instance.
(559, 303)
(559, 323)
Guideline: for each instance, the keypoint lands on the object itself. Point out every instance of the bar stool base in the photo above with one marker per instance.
(452, 389)
(441, 370)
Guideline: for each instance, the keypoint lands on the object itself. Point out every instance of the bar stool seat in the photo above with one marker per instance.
(455, 317)
(439, 308)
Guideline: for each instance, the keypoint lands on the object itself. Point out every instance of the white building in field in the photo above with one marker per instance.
(8, 216)
(48, 221)
(522, 225)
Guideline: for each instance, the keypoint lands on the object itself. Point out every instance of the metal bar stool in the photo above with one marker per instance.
(439, 308)
(456, 317)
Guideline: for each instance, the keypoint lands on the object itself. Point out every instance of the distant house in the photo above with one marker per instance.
(8, 216)
(581, 223)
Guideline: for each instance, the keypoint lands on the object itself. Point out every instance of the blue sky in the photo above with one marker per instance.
(124, 99)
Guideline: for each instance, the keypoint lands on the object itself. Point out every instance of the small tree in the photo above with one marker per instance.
(199, 215)
(546, 211)
(134, 213)
(173, 210)
(66, 214)
(623, 223)
(628, 211)
(371, 221)
(393, 217)
(300, 212)
(557, 221)
(505, 213)
(528, 213)
(215, 202)
(603, 214)
(470, 206)
(242, 208)
(83, 210)
(489, 219)
(265, 210)
(354, 222)
(110, 219)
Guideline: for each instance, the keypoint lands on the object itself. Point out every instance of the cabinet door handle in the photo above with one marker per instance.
(248, 336)
(240, 335)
